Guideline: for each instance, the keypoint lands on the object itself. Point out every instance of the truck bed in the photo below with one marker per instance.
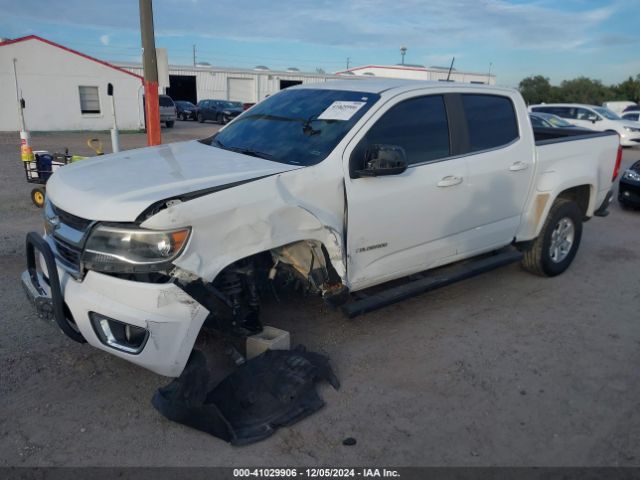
(546, 136)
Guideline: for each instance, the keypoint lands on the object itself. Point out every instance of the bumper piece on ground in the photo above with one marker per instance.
(272, 390)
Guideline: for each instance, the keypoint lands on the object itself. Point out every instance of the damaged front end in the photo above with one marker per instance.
(234, 297)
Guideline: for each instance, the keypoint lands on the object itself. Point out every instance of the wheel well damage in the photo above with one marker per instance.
(233, 298)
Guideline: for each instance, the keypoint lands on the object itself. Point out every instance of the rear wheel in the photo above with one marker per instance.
(555, 248)
(37, 197)
(200, 118)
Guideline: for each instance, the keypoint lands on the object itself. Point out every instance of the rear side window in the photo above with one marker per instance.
(419, 125)
(166, 101)
(564, 112)
(491, 120)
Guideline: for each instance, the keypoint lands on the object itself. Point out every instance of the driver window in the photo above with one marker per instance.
(418, 125)
(584, 114)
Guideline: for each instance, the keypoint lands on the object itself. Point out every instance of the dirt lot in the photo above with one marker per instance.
(503, 369)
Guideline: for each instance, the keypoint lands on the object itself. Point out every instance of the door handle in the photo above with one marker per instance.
(517, 166)
(450, 181)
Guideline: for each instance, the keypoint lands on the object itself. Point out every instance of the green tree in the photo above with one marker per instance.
(536, 89)
(629, 89)
(585, 90)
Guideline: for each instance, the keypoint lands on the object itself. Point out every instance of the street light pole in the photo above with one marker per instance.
(403, 51)
(489, 76)
(150, 64)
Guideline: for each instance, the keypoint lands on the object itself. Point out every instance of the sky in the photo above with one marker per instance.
(559, 39)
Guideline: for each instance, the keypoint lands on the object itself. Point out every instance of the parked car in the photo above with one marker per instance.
(629, 186)
(186, 110)
(548, 120)
(220, 111)
(595, 118)
(630, 108)
(328, 188)
(168, 112)
(632, 115)
(247, 105)
(618, 106)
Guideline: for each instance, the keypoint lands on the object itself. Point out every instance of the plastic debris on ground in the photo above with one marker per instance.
(273, 390)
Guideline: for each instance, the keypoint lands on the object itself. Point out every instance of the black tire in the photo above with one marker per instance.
(225, 120)
(37, 197)
(170, 124)
(200, 118)
(538, 258)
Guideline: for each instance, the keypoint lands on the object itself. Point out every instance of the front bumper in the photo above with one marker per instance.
(172, 318)
(630, 139)
(629, 192)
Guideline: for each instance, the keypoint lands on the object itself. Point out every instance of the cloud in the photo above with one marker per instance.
(433, 24)
(104, 39)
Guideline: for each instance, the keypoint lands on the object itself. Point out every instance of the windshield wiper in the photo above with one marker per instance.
(245, 151)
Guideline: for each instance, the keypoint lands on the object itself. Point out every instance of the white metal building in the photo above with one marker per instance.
(419, 72)
(243, 85)
(64, 89)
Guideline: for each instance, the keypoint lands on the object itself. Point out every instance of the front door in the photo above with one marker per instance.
(401, 224)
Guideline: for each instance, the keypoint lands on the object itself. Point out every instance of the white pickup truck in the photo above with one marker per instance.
(331, 188)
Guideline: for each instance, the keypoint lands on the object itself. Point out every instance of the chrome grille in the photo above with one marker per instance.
(68, 253)
(74, 222)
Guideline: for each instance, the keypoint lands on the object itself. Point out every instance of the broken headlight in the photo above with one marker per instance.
(133, 250)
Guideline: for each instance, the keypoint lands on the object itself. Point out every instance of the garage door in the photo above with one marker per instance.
(241, 89)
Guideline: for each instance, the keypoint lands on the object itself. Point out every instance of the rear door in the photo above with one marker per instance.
(501, 167)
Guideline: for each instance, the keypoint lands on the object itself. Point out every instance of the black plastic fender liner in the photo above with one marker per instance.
(34, 241)
(272, 390)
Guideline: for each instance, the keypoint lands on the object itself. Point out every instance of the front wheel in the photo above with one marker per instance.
(200, 118)
(555, 248)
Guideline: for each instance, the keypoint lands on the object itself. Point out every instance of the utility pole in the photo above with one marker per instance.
(489, 76)
(194, 54)
(152, 102)
(348, 59)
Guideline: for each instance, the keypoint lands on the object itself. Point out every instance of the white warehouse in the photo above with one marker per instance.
(195, 83)
(64, 89)
(419, 72)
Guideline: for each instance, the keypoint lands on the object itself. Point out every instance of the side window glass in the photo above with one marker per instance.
(418, 125)
(491, 121)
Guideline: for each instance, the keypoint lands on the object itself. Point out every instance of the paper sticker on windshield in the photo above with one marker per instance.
(341, 110)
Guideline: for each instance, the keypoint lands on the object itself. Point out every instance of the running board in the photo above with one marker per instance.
(428, 282)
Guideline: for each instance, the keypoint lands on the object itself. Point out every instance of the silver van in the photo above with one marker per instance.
(168, 111)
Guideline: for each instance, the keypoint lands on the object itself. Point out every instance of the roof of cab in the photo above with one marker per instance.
(380, 85)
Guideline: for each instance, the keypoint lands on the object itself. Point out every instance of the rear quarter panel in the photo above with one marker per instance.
(564, 165)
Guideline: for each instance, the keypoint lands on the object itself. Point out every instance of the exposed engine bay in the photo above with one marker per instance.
(233, 298)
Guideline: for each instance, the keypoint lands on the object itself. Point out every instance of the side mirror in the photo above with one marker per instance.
(381, 160)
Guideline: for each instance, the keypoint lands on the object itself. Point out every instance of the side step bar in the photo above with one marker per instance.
(429, 282)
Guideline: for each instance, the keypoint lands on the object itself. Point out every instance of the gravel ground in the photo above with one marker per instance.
(503, 369)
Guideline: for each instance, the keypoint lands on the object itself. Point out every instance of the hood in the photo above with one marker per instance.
(118, 187)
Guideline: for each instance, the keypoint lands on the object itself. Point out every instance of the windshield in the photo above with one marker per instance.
(606, 113)
(299, 127)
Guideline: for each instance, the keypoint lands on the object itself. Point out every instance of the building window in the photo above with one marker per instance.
(89, 100)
